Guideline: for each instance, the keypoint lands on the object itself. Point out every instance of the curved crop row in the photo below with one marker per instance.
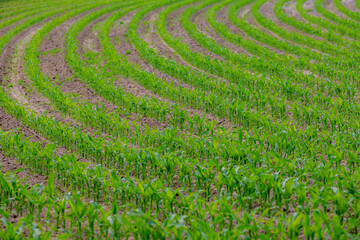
(185, 137)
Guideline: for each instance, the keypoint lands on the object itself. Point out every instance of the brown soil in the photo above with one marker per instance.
(223, 18)
(11, 71)
(290, 10)
(350, 4)
(10, 164)
(250, 19)
(125, 48)
(88, 38)
(267, 10)
(6, 29)
(329, 5)
(309, 5)
(18, 91)
(204, 27)
(247, 16)
(174, 27)
(22, 92)
(32, 100)
(151, 36)
(8, 51)
(16, 72)
(134, 88)
(122, 45)
(127, 84)
(56, 67)
(8, 123)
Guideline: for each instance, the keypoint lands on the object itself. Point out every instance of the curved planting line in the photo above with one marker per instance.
(107, 152)
(34, 10)
(194, 100)
(304, 58)
(279, 66)
(99, 83)
(110, 22)
(213, 46)
(301, 174)
(40, 128)
(193, 31)
(176, 44)
(49, 129)
(235, 60)
(333, 35)
(173, 69)
(319, 6)
(107, 48)
(351, 14)
(320, 45)
(8, 5)
(298, 50)
(76, 172)
(29, 22)
(109, 122)
(87, 145)
(137, 71)
(67, 103)
(18, 112)
(12, 17)
(323, 66)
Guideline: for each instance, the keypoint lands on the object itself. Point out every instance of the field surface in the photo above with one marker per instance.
(168, 119)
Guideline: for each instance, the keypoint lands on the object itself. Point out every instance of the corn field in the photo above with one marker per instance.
(179, 119)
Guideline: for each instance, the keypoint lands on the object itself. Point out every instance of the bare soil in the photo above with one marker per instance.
(118, 35)
(350, 4)
(10, 164)
(267, 10)
(329, 5)
(309, 5)
(244, 12)
(124, 47)
(174, 27)
(19, 84)
(204, 27)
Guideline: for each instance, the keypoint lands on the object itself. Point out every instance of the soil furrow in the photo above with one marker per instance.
(19, 86)
(174, 27)
(204, 27)
(118, 36)
(56, 67)
(222, 17)
(10, 164)
(267, 10)
(151, 36)
(329, 5)
(309, 6)
(250, 20)
(350, 4)
(132, 87)
(89, 35)
(124, 47)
